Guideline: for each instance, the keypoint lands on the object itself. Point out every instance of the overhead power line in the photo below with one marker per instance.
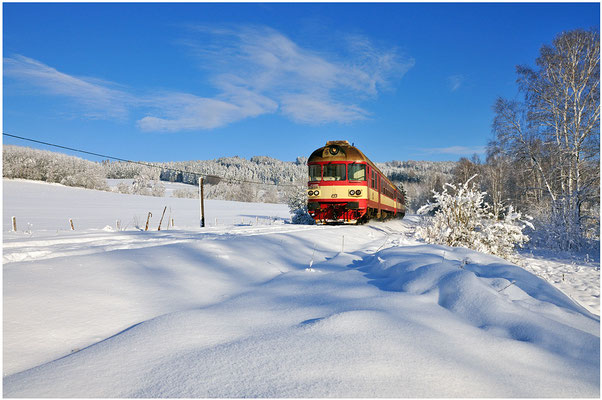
(198, 174)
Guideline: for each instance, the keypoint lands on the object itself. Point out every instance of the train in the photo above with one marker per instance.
(345, 187)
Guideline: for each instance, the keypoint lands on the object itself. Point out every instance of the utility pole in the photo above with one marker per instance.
(202, 205)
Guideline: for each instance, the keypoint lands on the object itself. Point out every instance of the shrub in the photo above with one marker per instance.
(463, 218)
(297, 204)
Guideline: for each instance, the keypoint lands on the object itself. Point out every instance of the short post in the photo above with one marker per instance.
(71, 222)
(161, 220)
(256, 220)
(150, 214)
(201, 200)
(118, 225)
(343, 245)
(172, 223)
(14, 224)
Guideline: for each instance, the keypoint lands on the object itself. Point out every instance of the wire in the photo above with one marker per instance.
(219, 178)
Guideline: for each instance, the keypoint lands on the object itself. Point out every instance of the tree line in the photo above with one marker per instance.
(275, 177)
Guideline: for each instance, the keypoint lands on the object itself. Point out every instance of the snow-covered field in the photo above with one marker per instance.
(256, 307)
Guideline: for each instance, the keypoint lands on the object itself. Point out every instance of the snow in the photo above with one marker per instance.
(577, 277)
(92, 209)
(235, 311)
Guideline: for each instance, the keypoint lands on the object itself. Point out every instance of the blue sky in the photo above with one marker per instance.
(170, 82)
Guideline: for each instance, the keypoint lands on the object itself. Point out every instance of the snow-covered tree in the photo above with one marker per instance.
(297, 204)
(463, 218)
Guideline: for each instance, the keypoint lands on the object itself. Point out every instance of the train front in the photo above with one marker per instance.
(337, 188)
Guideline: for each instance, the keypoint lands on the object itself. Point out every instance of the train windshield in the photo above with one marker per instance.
(335, 172)
(315, 173)
(357, 172)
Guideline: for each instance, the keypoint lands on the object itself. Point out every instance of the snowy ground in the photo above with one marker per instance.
(235, 311)
(40, 206)
(578, 278)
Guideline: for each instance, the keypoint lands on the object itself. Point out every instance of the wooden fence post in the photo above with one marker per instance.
(14, 224)
(71, 222)
(161, 221)
(202, 202)
(150, 214)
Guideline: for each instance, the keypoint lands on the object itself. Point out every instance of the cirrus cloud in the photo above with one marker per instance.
(100, 99)
(254, 71)
(454, 82)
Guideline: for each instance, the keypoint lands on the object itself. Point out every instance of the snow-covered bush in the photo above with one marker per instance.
(185, 194)
(463, 218)
(123, 187)
(297, 204)
(145, 186)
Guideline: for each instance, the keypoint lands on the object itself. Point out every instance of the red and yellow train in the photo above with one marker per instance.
(346, 187)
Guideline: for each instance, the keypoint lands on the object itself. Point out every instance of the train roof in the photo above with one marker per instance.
(341, 150)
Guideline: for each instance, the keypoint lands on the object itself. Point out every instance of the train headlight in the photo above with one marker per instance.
(352, 193)
(358, 192)
(316, 193)
(310, 193)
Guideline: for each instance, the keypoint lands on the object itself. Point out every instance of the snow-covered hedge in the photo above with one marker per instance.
(462, 218)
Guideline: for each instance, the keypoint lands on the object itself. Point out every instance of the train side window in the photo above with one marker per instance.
(315, 173)
(357, 172)
(373, 180)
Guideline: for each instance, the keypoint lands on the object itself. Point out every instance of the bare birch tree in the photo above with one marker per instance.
(555, 132)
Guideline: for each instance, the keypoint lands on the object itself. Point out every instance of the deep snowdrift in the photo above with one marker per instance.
(235, 311)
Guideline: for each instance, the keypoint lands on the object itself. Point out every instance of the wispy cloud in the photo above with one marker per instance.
(304, 85)
(100, 99)
(455, 150)
(315, 109)
(454, 82)
(255, 71)
(181, 111)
